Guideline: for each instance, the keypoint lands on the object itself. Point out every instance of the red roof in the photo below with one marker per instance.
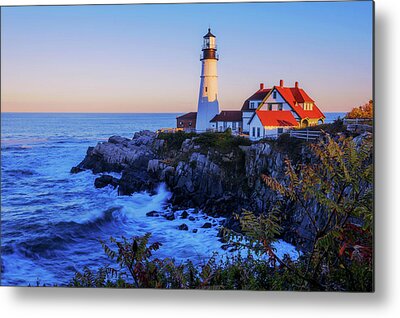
(295, 95)
(277, 118)
(259, 95)
(228, 115)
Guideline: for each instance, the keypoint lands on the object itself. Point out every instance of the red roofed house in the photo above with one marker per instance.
(282, 108)
(251, 104)
(227, 119)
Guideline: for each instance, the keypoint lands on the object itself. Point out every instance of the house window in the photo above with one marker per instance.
(280, 106)
(180, 123)
(254, 131)
(274, 95)
(225, 125)
(234, 125)
(258, 131)
(269, 106)
(190, 123)
(280, 131)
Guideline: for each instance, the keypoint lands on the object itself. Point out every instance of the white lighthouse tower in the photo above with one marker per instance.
(208, 96)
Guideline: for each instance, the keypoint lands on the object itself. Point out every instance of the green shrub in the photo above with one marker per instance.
(223, 142)
(174, 140)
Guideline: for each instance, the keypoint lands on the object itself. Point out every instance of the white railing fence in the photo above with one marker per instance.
(358, 124)
(356, 121)
(305, 134)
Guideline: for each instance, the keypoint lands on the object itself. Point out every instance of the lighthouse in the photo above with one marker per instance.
(208, 107)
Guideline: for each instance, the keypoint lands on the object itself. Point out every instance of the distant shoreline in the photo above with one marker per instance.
(133, 113)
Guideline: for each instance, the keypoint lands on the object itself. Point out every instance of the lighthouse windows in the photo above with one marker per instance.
(206, 89)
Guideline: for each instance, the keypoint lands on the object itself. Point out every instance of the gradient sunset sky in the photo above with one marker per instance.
(145, 58)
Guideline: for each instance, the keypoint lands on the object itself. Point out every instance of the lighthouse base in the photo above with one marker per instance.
(205, 112)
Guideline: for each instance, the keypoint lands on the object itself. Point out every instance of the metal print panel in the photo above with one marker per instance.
(193, 146)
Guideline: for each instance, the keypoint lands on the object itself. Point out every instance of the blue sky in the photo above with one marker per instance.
(145, 58)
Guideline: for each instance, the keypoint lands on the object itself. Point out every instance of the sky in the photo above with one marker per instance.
(145, 58)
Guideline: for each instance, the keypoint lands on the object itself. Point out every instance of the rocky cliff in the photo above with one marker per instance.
(221, 176)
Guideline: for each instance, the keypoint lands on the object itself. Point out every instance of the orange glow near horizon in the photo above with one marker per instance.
(145, 58)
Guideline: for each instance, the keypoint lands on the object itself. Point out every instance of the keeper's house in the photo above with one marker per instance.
(271, 112)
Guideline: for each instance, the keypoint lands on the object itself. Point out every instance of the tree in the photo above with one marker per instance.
(365, 111)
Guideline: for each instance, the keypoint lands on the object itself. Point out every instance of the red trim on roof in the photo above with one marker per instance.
(295, 94)
(277, 118)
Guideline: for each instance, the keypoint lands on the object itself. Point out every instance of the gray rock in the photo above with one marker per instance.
(184, 215)
(106, 180)
(183, 227)
(153, 214)
(169, 216)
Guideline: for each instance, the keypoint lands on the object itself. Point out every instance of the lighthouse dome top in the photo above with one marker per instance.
(209, 34)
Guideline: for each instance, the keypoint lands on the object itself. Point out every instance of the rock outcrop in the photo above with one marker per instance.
(219, 182)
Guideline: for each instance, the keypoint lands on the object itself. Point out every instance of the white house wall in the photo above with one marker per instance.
(256, 123)
(245, 122)
(229, 124)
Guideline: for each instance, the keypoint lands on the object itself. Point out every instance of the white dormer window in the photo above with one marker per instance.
(254, 105)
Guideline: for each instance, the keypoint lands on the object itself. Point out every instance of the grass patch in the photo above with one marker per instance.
(223, 142)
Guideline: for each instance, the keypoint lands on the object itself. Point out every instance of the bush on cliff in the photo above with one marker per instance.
(332, 128)
(221, 141)
(174, 140)
(365, 111)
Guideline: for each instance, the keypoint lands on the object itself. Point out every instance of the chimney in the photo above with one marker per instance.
(296, 84)
(261, 86)
(281, 83)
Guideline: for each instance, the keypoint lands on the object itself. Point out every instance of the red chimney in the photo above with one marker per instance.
(261, 86)
(281, 83)
(296, 84)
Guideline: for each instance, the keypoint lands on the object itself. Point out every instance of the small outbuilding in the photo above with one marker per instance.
(227, 119)
(187, 121)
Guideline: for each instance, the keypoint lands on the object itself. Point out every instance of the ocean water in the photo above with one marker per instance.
(52, 221)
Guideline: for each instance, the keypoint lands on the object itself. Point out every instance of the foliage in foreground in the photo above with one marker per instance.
(137, 269)
(338, 184)
(335, 194)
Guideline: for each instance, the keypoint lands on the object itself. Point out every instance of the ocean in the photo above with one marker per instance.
(52, 221)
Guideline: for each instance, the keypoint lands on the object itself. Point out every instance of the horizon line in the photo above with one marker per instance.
(7, 112)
